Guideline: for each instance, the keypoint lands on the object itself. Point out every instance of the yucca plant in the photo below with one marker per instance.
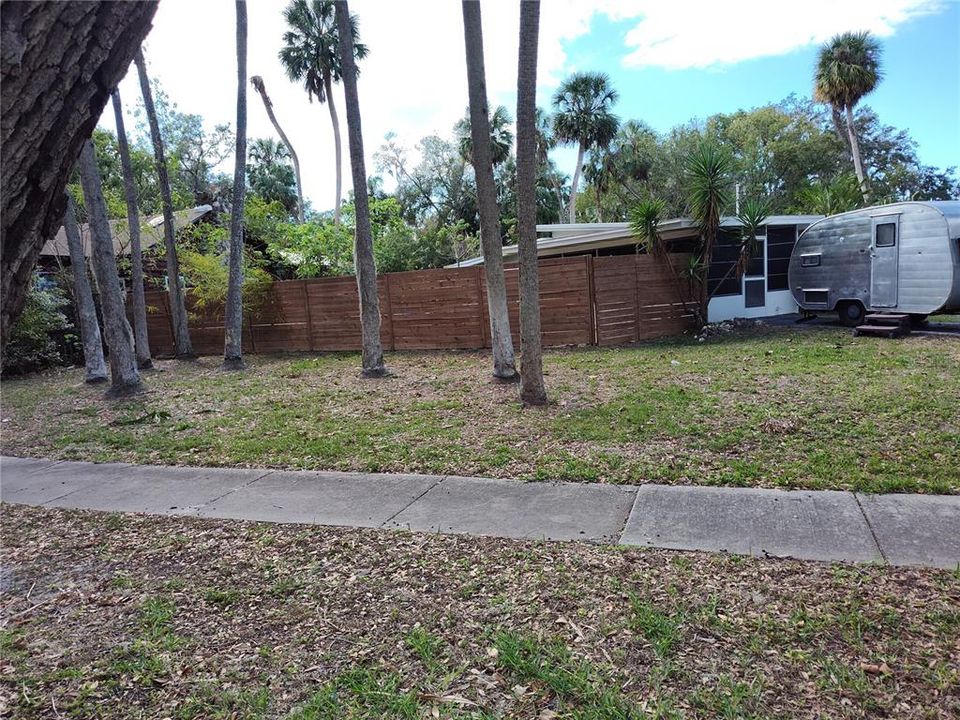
(645, 216)
(752, 216)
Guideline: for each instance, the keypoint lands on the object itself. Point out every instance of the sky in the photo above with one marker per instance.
(670, 60)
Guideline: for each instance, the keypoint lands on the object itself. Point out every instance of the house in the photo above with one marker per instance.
(761, 292)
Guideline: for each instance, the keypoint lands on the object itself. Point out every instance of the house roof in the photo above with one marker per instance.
(565, 238)
(151, 233)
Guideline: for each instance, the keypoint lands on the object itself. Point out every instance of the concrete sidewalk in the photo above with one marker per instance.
(810, 525)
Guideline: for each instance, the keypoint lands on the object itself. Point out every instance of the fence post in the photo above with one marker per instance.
(389, 297)
(306, 305)
(591, 302)
(636, 286)
(484, 316)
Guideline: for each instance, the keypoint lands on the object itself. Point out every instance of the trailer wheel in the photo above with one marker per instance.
(851, 312)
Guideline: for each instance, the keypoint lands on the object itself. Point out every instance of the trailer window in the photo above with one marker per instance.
(810, 260)
(886, 234)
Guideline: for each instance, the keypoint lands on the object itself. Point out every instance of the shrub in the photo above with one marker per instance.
(207, 274)
(36, 337)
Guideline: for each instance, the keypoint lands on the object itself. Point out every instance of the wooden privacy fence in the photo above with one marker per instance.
(583, 301)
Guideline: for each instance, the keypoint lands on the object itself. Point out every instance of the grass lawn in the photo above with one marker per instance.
(789, 407)
(127, 616)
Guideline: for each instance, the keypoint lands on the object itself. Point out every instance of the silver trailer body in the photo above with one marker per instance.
(903, 257)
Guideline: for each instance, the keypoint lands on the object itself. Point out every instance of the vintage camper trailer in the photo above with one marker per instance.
(902, 258)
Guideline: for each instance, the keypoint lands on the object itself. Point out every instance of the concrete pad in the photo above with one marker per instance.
(824, 525)
(157, 490)
(512, 509)
(39, 482)
(916, 529)
(323, 498)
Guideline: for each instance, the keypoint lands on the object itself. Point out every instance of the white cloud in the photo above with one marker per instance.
(685, 34)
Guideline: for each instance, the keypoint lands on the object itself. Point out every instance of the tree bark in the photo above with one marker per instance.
(574, 183)
(532, 390)
(233, 315)
(125, 378)
(857, 161)
(500, 339)
(373, 365)
(96, 367)
(183, 347)
(59, 61)
(338, 152)
(141, 337)
(257, 82)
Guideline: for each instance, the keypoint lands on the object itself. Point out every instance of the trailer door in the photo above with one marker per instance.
(884, 254)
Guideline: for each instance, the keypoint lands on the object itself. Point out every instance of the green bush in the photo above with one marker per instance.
(207, 278)
(40, 331)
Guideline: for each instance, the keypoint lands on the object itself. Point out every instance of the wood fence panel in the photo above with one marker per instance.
(615, 280)
(334, 313)
(436, 309)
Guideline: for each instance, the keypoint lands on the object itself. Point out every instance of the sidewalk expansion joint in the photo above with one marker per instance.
(439, 480)
(233, 490)
(876, 541)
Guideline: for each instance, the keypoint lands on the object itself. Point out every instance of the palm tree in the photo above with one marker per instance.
(708, 171)
(532, 390)
(502, 343)
(96, 367)
(372, 350)
(258, 85)
(583, 116)
(501, 139)
(270, 175)
(310, 55)
(141, 337)
(848, 68)
(125, 378)
(233, 313)
(183, 347)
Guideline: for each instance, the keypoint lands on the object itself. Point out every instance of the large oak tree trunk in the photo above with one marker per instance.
(500, 339)
(125, 378)
(58, 62)
(96, 366)
(183, 347)
(337, 150)
(373, 365)
(233, 315)
(141, 337)
(532, 390)
(258, 85)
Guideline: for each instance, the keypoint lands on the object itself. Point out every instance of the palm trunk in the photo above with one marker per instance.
(836, 117)
(183, 347)
(855, 152)
(257, 82)
(125, 378)
(328, 89)
(532, 390)
(574, 183)
(144, 362)
(500, 339)
(372, 357)
(233, 315)
(96, 367)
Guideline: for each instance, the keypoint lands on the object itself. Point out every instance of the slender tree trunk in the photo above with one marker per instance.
(257, 82)
(532, 390)
(140, 335)
(574, 183)
(183, 347)
(500, 339)
(233, 315)
(96, 367)
(839, 126)
(125, 378)
(373, 365)
(857, 161)
(335, 121)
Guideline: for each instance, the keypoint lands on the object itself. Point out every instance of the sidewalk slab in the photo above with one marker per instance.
(822, 525)
(323, 498)
(513, 509)
(916, 529)
(35, 482)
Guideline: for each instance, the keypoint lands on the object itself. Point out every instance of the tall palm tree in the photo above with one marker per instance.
(708, 172)
(183, 347)
(583, 116)
(258, 85)
(501, 138)
(124, 376)
(310, 55)
(141, 337)
(848, 67)
(96, 367)
(233, 313)
(504, 366)
(532, 390)
(372, 350)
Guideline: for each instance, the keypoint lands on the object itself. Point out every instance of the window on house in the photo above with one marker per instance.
(780, 242)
